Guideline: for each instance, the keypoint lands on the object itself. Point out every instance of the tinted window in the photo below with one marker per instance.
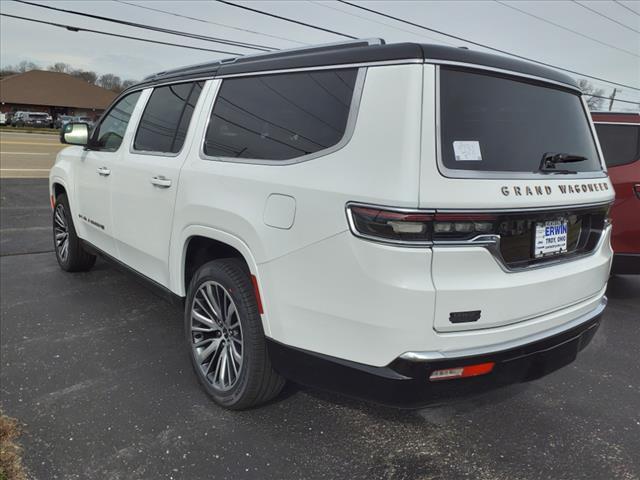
(114, 125)
(279, 117)
(164, 123)
(493, 123)
(620, 143)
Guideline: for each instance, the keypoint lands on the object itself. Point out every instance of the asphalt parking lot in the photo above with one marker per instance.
(94, 366)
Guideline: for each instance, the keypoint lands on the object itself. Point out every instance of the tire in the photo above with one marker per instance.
(225, 338)
(71, 255)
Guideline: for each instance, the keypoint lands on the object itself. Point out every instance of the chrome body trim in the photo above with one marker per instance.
(498, 175)
(470, 352)
(492, 244)
(346, 137)
(597, 122)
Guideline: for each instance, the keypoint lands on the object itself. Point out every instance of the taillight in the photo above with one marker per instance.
(416, 227)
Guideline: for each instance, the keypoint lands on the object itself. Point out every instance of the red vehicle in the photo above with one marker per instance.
(619, 135)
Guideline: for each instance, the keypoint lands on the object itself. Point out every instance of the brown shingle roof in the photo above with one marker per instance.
(38, 87)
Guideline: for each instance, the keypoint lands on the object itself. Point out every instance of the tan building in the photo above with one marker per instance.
(54, 93)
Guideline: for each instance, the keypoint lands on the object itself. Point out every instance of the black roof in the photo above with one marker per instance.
(359, 51)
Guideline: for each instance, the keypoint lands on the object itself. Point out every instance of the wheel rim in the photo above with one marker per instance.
(61, 232)
(216, 335)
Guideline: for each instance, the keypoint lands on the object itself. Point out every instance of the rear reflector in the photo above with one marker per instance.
(462, 372)
(256, 291)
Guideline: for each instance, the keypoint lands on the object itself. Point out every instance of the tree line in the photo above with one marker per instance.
(108, 80)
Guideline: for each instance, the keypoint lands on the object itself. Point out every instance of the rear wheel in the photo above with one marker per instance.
(225, 337)
(71, 255)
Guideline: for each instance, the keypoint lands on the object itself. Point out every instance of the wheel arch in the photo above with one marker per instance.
(200, 244)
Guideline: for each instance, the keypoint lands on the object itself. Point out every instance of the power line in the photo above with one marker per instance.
(504, 4)
(223, 41)
(608, 98)
(486, 46)
(604, 16)
(382, 23)
(279, 17)
(628, 8)
(207, 21)
(71, 28)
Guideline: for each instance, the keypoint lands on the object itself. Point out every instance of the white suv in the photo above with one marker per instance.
(400, 222)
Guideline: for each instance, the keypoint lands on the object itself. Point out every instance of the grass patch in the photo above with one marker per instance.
(11, 467)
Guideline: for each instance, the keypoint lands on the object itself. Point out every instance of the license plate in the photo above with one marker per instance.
(551, 238)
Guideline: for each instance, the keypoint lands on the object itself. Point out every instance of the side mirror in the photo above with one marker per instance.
(75, 134)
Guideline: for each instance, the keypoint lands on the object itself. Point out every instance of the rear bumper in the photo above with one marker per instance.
(626, 263)
(405, 383)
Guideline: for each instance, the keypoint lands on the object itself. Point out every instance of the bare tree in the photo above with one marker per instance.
(110, 82)
(60, 67)
(593, 94)
(25, 66)
(86, 75)
(127, 83)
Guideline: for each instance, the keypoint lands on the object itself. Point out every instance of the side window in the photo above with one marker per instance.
(282, 116)
(620, 143)
(165, 121)
(110, 132)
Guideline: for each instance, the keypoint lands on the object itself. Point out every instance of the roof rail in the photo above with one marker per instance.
(309, 48)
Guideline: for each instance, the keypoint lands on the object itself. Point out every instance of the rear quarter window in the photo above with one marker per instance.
(280, 117)
(496, 123)
(620, 143)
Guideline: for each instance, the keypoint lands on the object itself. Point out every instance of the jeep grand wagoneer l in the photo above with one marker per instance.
(401, 222)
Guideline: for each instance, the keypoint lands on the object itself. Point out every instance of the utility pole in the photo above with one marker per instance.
(612, 98)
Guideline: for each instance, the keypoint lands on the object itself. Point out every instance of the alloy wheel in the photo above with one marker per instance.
(216, 335)
(61, 232)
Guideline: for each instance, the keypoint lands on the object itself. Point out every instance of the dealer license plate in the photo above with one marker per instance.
(551, 238)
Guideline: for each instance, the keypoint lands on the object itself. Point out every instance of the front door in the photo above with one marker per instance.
(92, 209)
(144, 189)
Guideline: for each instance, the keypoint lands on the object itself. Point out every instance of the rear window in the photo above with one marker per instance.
(620, 143)
(280, 117)
(493, 123)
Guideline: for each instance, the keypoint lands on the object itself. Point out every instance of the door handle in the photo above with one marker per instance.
(104, 171)
(161, 181)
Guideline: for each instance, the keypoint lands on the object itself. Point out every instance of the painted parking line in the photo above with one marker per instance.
(2, 142)
(26, 153)
(24, 170)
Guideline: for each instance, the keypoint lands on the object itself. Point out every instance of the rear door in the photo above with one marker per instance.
(144, 189)
(515, 237)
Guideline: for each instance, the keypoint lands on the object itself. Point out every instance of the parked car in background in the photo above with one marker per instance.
(619, 135)
(84, 119)
(32, 119)
(62, 120)
(3, 118)
(402, 222)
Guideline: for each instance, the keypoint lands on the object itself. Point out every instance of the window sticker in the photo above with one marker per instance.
(467, 151)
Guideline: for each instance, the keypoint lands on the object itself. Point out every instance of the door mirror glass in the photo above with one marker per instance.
(75, 134)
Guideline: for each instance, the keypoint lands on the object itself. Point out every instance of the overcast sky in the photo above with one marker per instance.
(489, 22)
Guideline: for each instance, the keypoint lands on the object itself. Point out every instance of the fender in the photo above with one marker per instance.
(177, 259)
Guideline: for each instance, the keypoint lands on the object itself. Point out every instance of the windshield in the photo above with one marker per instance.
(493, 123)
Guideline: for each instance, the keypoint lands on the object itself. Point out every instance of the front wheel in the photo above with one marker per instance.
(225, 337)
(71, 255)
